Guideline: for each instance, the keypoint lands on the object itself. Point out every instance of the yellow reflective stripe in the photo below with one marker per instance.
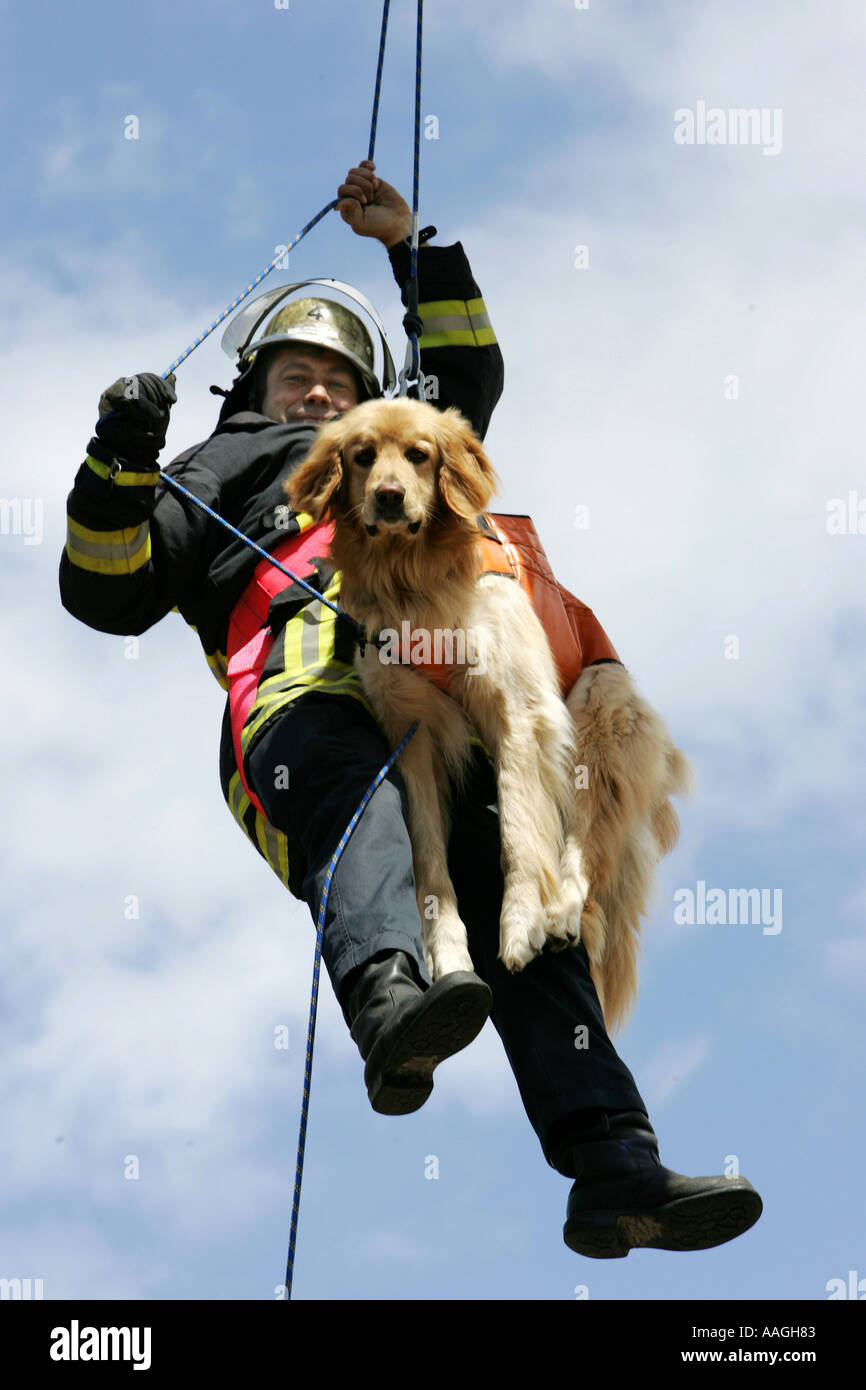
(125, 478)
(471, 307)
(277, 854)
(325, 620)
(270, 842)
(335, 679)
(108, 552)
(308, 662)
(238, 799)
(217, 661)
(455, 323)
(219, 667)
(99, 540)
(318, 681)
(458, 338)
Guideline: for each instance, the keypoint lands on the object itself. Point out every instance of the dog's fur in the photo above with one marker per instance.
(405, 484)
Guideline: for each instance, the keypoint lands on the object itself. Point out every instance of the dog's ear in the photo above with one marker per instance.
(312, 486)
(467, 480)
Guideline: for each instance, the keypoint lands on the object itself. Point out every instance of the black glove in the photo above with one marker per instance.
(133, 419)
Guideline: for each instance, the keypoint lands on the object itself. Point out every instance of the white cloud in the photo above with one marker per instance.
(673, 54)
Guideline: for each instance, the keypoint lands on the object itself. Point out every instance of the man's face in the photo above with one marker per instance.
(306, 383)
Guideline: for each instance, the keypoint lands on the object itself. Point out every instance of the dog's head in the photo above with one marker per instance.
(396, 467)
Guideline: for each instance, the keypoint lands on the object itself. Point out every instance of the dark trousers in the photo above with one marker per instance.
(548, 1015)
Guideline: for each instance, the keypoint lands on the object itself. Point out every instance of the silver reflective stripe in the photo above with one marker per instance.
(310, 619)
(101, 550)
(446, 323)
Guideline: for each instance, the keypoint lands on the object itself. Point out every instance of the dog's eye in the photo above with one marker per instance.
(365, 458)
(416, 456)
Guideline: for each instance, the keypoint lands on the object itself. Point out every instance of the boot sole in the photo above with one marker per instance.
(399, 1070)
(690, 1223)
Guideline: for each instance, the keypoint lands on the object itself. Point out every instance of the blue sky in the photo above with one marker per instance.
(697, 386)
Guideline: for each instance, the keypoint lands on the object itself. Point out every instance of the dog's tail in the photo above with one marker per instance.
(626, 823)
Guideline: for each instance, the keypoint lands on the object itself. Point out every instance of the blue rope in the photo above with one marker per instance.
(311, 1027)
(412, 368)
(230, 308)
(379, 64)
(360, 631)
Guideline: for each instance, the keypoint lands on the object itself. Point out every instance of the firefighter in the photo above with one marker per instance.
(297, 759)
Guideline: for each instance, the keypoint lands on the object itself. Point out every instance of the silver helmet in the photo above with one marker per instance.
(324, 323)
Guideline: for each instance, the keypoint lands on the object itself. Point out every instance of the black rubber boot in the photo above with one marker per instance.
(404, 1031)
(624, 1198)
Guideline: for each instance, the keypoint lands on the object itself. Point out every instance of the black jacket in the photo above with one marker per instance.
(136, 550)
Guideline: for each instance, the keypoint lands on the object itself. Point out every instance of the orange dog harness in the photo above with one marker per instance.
(510, 546)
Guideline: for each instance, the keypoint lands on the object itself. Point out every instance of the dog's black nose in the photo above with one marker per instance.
(389, 502)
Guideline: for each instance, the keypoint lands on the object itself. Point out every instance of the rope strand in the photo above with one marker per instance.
(360, 631)
(412, 374)
(230, 308)
(379, 64)
(197, 342)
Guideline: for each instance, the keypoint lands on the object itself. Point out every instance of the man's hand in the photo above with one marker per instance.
(133, 417)
(372, 207)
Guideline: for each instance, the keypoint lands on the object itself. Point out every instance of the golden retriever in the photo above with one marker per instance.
(405, 484)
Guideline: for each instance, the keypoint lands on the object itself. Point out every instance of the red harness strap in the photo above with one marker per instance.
(510, 546)
(250, 639)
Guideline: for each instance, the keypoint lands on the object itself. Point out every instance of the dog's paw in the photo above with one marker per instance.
(522, 933)
(516, 954)
(445, 955)
(564, 913)
(446, 962)
(564, 910)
